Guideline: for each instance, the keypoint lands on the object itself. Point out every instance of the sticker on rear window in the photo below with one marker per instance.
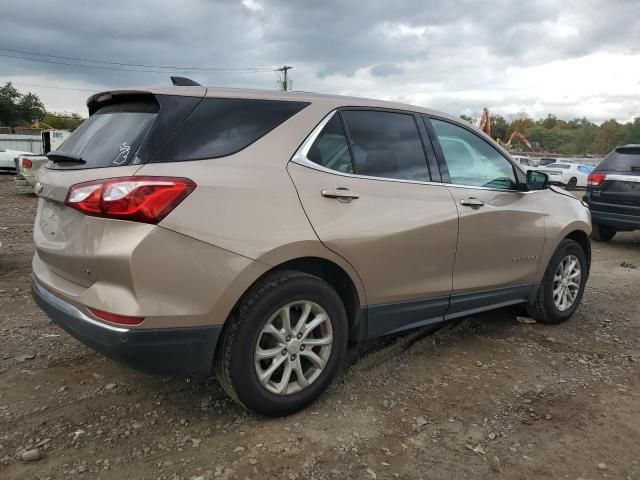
(123, 155)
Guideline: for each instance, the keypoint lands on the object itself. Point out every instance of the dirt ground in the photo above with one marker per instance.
(485, 397)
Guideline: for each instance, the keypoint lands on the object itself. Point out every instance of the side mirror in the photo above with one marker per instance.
(537, 180)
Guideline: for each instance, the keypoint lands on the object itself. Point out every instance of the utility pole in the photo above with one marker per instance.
(284, 84)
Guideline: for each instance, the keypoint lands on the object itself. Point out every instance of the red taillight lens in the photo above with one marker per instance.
(596, 179)
(138, 199)
(26, 163)
(113, 318)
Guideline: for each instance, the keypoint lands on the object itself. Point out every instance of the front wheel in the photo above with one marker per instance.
(284, 344)
(562, 286)
(602, 233)
(573, 183)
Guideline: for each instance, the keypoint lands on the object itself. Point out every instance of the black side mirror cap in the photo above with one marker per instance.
(537, 180)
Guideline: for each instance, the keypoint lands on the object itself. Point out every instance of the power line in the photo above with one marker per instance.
(25, 52)
(55, 87)
(140, 70)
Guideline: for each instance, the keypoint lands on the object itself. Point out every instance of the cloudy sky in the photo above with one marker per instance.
(572, 58)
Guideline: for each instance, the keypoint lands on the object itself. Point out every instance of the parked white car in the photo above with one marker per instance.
(525, 162)
(570, 175)
(28, 166)
(8, 159)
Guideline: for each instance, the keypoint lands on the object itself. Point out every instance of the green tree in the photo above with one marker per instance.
(632, 131)
(499, 127)
(9, 98)
(30, 109)
(63, 121)
(550, 122)
(520, 125)
(17, 109)
(610, 135)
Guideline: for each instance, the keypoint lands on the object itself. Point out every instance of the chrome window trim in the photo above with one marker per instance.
(300, 158)
(623, 178)
(455, 185)
(73, 311)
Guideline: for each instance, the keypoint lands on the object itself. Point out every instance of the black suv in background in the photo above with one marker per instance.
(613, 193)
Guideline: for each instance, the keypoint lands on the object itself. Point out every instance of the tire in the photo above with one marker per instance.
(544, 308)
(602, 233)
(573, 183)
(236, 364)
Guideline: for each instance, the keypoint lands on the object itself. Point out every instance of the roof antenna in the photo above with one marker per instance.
(184, 82)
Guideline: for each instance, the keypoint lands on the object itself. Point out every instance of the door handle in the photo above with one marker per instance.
(472, 202)
(342, 194)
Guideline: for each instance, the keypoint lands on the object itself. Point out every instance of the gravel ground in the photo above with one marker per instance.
(484, 397)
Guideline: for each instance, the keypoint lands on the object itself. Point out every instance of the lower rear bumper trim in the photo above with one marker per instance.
(616, 220)
(170, 351)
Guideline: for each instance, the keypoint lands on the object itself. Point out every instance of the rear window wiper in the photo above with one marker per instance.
(64, 157)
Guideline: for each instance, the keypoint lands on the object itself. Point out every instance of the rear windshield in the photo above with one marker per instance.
(140, 131)
(112, 135)
(622, 159)
(222, 126)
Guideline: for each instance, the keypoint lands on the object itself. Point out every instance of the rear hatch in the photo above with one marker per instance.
(124, 130)
(614, 185)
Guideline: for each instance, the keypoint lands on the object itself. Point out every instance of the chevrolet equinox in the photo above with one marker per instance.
(255, 234)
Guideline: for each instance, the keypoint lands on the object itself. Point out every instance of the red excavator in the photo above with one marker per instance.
(485, 122)
(485, 126)
(524, 139)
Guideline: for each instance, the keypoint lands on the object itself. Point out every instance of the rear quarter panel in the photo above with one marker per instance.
(247, 204)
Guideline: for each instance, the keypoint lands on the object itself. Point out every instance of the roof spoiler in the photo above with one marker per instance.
(184, 82)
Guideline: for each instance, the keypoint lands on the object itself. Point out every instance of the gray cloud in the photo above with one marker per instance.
(386, 70)
(453, 54)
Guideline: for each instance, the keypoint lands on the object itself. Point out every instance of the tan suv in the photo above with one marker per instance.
(186, 230)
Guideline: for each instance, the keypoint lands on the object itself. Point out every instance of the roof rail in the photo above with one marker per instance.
(184, 82)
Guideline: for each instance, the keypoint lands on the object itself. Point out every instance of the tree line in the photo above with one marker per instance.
(27, 110)
(576, 137)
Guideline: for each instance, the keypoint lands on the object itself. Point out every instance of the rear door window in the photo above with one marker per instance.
(223, 126)
(112, 135)
(331, 149)
(386, 144)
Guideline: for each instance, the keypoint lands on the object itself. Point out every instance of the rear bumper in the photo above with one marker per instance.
(167, 351)
(618, 221)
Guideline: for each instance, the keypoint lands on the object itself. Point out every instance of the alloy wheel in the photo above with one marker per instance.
(566, 282)
(293, 347)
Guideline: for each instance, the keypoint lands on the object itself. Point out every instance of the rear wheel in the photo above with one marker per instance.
(602, 233)
(573, 183)
(562, 286)
(284, 345)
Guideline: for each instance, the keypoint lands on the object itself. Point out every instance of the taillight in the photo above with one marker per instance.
(114, 318)
(26, 163)
(138, 199)
(596, 179)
